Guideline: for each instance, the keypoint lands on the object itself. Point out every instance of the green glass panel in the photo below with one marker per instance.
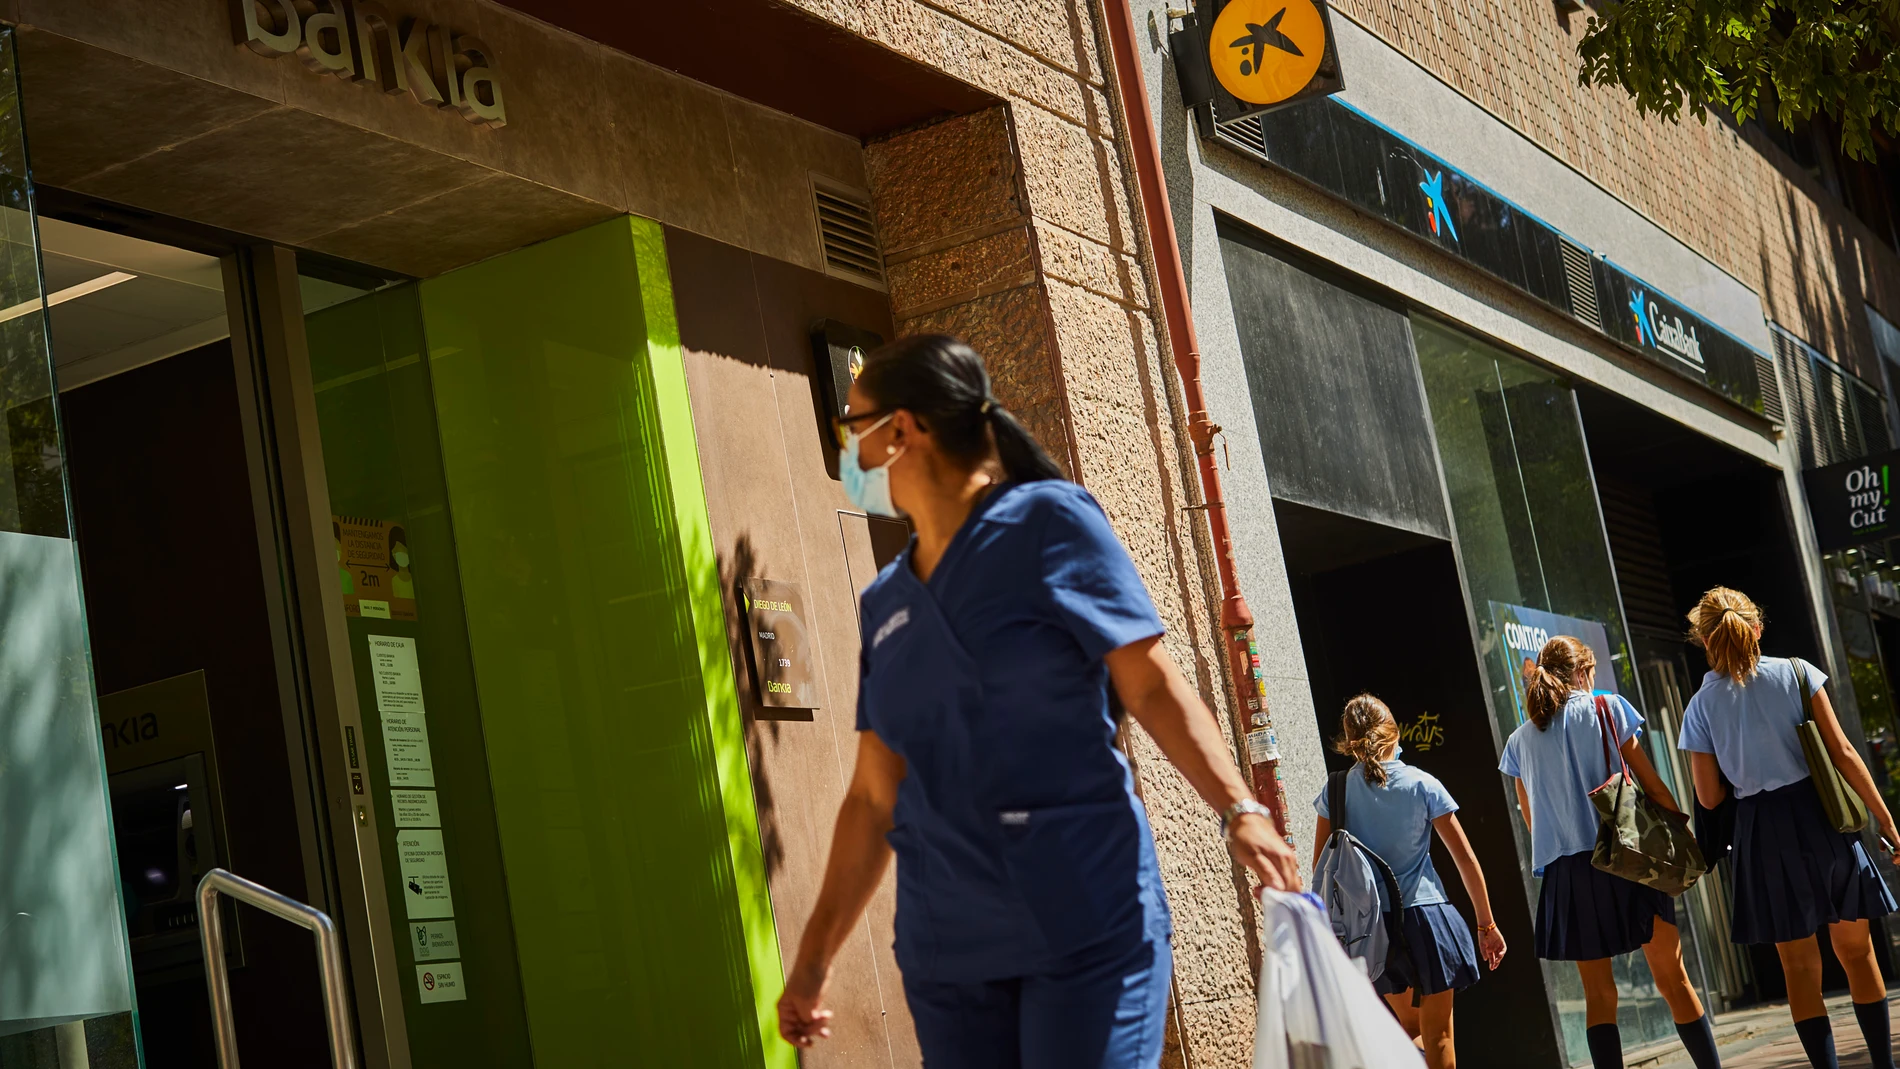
(382, 460)
(65, 968)
(627, 824)
(1529, 533)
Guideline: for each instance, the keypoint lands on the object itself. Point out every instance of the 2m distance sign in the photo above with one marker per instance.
(1268, 53)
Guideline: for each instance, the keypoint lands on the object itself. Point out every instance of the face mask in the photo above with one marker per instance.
(402, 558)
(869, 490)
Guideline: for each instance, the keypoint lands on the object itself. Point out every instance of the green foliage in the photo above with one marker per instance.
(1837, 57)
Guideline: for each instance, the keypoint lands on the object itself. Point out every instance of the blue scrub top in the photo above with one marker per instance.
(1560, 766)
(1018, 836)
(1750, 727)
(1395, 822)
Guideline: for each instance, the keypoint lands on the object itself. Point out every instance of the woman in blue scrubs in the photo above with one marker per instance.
(1793, 873)
(1032, 928)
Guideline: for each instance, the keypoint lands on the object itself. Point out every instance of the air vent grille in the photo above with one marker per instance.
(1580, 280)
(1771, 406)
(1247, 134)
(847, 231)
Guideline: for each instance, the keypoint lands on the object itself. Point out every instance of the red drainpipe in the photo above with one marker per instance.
(1236, 621)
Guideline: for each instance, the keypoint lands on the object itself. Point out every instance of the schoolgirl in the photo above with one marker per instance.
(1558, 756)
(1794, 873)
(1393, 808)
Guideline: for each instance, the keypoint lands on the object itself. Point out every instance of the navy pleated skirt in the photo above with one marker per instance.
(1439, 955)
(1794, 874)
(1584, 913)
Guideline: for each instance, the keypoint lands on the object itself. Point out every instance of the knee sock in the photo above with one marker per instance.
(1817, 1038)
(1606, 1046)
(1698, 1038)
(1877, 1031)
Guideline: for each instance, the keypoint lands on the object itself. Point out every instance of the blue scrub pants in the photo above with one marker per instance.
(1106, 1010)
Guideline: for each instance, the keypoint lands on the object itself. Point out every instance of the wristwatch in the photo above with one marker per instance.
(1245, 805)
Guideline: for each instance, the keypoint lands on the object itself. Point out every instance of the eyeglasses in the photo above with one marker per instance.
(841, 425)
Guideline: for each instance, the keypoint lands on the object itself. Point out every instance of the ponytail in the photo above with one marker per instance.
(1727, 626)
(1367, 734)
(942, 381)
(1549, 679)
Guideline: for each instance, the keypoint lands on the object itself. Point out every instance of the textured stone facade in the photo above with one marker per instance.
(1012, 227)
(1733, 197)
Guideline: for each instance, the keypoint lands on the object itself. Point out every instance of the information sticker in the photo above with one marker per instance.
(415, 809)
(425, 874)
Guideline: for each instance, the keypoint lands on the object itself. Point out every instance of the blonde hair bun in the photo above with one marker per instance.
(1368, 734)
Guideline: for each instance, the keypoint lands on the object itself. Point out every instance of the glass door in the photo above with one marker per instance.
(65, 974)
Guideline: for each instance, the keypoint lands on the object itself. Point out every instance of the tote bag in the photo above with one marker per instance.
(1844, 808)
(1637, 838)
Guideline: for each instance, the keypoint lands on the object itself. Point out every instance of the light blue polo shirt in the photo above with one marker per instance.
(1750, 727)
(1560, 766)
(1395, 822)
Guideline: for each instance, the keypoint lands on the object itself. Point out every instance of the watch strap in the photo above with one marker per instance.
(1245, 805)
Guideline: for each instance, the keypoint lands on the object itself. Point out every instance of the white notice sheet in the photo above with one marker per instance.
(406, 744)
(392, 663)
(415, 809)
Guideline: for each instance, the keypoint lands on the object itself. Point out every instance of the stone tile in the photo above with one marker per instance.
(955, 176)
(672, 148)
(1220, 1032)
(496, 213)
(772, 165)
(559, 114)
(251, 176)
(1007, 258)
(89, 109)
(1092, 265)
(1058, 32)
(1073, 179)
(189, 36)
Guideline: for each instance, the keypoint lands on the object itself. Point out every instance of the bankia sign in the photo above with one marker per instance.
(1341, 150)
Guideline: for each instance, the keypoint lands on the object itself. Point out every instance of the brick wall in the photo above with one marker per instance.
(1013, 228)
(1732, 197)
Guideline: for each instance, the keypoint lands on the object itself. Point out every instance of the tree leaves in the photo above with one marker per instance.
(1836, 57)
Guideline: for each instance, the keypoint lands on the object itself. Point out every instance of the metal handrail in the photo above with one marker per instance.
(336, 1007)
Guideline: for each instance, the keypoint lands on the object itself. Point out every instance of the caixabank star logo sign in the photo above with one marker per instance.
(1266, 54)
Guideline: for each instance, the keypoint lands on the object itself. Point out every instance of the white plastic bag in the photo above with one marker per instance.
(1317, 1009)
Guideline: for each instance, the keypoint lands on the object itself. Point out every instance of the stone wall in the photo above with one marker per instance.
(1733, 197)
(1013, 228)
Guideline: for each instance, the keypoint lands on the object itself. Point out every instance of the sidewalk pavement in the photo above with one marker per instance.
(1762, 1037)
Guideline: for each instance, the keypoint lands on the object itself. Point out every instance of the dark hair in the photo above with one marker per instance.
(397, 537)
(942, 381)
(1549, 680)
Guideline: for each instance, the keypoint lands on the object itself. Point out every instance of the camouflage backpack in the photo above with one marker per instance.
(1637, 838)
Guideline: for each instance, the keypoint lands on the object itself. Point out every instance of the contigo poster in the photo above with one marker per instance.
(1522, 632)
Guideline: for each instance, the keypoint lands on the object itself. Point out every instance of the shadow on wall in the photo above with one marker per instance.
(734, 569)
(1821, 314)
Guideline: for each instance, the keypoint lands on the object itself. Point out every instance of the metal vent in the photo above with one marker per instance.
(847, 232)
(1770, 390)
(1580, 280)
(1247, 134)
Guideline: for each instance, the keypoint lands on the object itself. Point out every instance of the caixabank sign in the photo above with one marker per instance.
(1852, 502)
(1347, 153)
(1246, 57)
